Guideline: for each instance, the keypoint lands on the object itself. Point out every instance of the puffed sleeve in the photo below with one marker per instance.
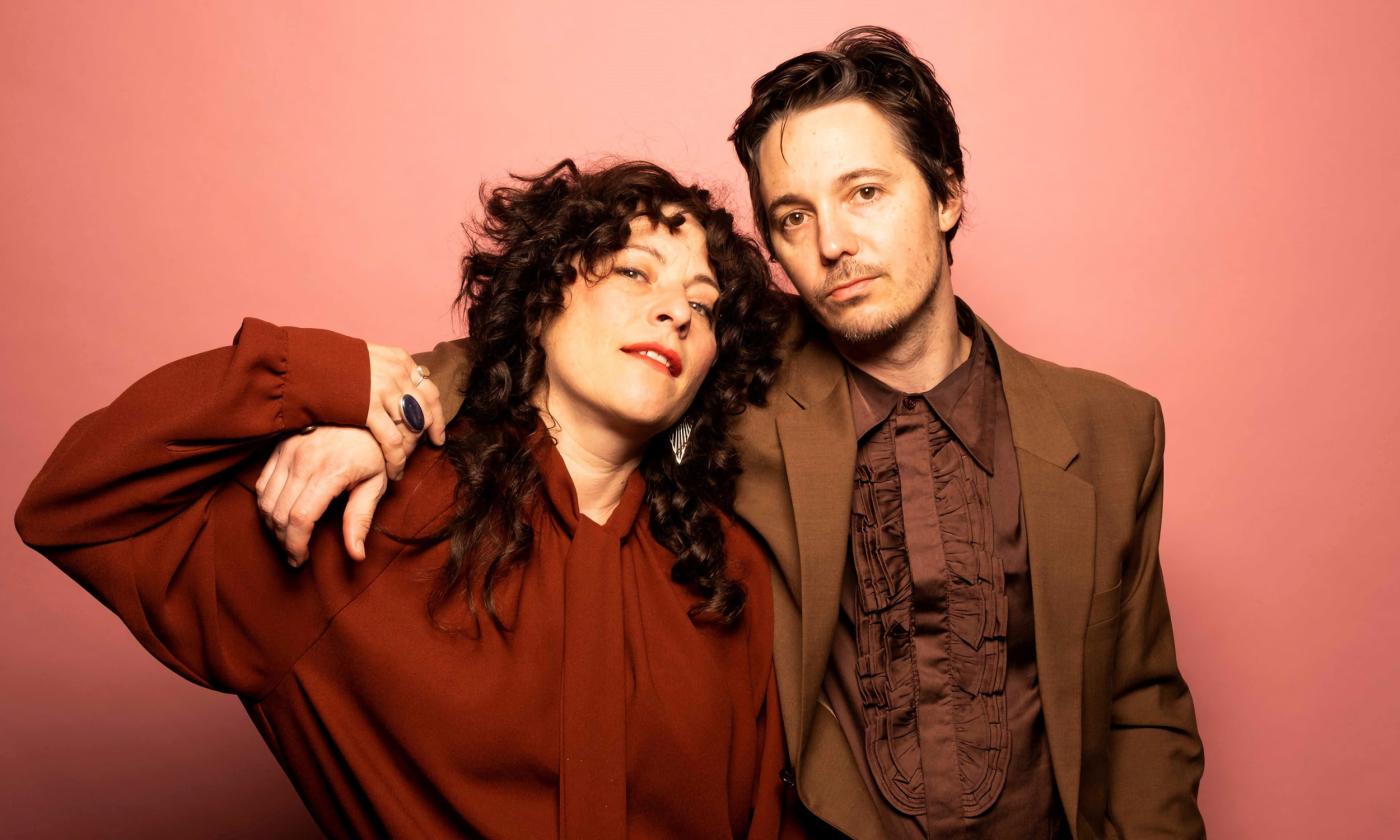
(147, 503)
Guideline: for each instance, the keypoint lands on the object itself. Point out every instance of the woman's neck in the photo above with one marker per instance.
(599, 460)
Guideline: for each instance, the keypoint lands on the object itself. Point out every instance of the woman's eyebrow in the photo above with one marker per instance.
(703, 279)
(646, 249)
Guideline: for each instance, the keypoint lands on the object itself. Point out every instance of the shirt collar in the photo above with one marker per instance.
(965, 400)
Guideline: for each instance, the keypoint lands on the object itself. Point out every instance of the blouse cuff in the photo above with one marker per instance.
(326, 379)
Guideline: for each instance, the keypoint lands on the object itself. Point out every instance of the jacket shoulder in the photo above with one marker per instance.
(448, 364)
(1088, 396)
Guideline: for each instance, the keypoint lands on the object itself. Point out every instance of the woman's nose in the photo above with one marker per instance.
(672, 308)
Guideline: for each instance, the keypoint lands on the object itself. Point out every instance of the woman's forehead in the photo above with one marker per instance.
(667, 243)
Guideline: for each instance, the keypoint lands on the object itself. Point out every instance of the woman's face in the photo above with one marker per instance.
(636, 338)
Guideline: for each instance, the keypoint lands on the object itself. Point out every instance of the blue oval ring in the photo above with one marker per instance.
(412, 413)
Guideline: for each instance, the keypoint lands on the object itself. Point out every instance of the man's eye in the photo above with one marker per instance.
(703, 308)
(794, 219)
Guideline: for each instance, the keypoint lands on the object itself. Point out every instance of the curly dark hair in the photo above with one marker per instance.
(522, 257)
(875, 65)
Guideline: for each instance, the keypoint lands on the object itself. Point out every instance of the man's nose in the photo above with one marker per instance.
(836, 239)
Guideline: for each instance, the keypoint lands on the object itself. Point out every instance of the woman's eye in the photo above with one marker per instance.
(867, 193)
(703, 308)
(630, 273)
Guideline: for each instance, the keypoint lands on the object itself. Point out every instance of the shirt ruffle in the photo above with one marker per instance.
(975, 619)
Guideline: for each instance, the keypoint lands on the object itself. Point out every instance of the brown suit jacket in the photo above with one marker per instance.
(1124, 749)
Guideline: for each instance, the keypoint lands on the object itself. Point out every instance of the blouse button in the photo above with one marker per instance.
(786, 777)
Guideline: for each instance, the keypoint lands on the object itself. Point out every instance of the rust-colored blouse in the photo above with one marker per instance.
(933, 674)
(604, 712)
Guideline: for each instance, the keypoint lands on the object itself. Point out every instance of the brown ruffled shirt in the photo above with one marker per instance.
(933, 675)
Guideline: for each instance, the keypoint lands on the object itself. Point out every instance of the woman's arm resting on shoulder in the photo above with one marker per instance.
(333, 464)
(148, 503)
(184, 427)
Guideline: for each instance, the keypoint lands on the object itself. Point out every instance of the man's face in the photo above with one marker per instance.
(852, 221)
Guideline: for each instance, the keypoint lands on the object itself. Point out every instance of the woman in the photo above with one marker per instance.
(554, 629)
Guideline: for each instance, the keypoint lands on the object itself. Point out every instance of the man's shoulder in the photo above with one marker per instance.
(448, 365)
(1105, 416)
(1089, 389)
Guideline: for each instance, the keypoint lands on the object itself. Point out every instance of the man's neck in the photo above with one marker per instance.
(921, 354)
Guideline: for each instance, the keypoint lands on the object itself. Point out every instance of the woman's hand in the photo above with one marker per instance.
(307, 471)
(392, 374)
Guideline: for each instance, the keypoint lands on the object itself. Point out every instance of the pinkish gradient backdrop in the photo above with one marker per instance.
(1196, 197)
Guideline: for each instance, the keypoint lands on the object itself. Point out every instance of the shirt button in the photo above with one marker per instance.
(786, 777)
(910, 402)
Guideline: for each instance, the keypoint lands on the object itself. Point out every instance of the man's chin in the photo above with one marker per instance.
(850, 325)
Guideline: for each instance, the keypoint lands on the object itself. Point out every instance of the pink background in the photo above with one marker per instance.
(1196, 197)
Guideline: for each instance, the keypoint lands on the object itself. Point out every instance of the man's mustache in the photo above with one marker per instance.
(847, 270)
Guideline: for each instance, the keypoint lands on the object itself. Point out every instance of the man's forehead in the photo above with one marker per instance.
(821, 147)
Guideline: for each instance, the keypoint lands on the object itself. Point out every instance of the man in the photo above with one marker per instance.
(977, 628)
(972, 636)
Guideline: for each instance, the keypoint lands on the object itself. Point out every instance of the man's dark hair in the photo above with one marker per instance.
(873, 65)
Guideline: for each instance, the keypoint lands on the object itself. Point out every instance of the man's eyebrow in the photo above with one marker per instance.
(867, 172)
(785, 198)
(842, 180)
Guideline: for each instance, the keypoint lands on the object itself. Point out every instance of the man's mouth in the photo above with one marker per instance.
(851, 288)
(663, 357)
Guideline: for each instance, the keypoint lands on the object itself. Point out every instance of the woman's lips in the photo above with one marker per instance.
(853, 288)
(663, 358)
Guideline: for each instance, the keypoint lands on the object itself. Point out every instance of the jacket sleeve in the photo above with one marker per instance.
(142, 503)
(1155, 754)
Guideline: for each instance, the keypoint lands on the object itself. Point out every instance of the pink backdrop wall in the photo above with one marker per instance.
(1196, 197)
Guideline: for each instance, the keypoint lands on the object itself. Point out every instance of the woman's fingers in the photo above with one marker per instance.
(393, 375)
(267, 470)
(306, 510)
(432, 410)
(272, 488)
(287, 495)
(392, 442)
(359, 513)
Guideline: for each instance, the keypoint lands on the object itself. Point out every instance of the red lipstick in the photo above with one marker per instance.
(673, 359)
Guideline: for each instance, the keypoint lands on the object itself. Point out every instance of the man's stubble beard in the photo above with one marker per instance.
(883, 332)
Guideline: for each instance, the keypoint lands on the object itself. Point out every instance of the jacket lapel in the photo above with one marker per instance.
(1059, 515)
(817, 437)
